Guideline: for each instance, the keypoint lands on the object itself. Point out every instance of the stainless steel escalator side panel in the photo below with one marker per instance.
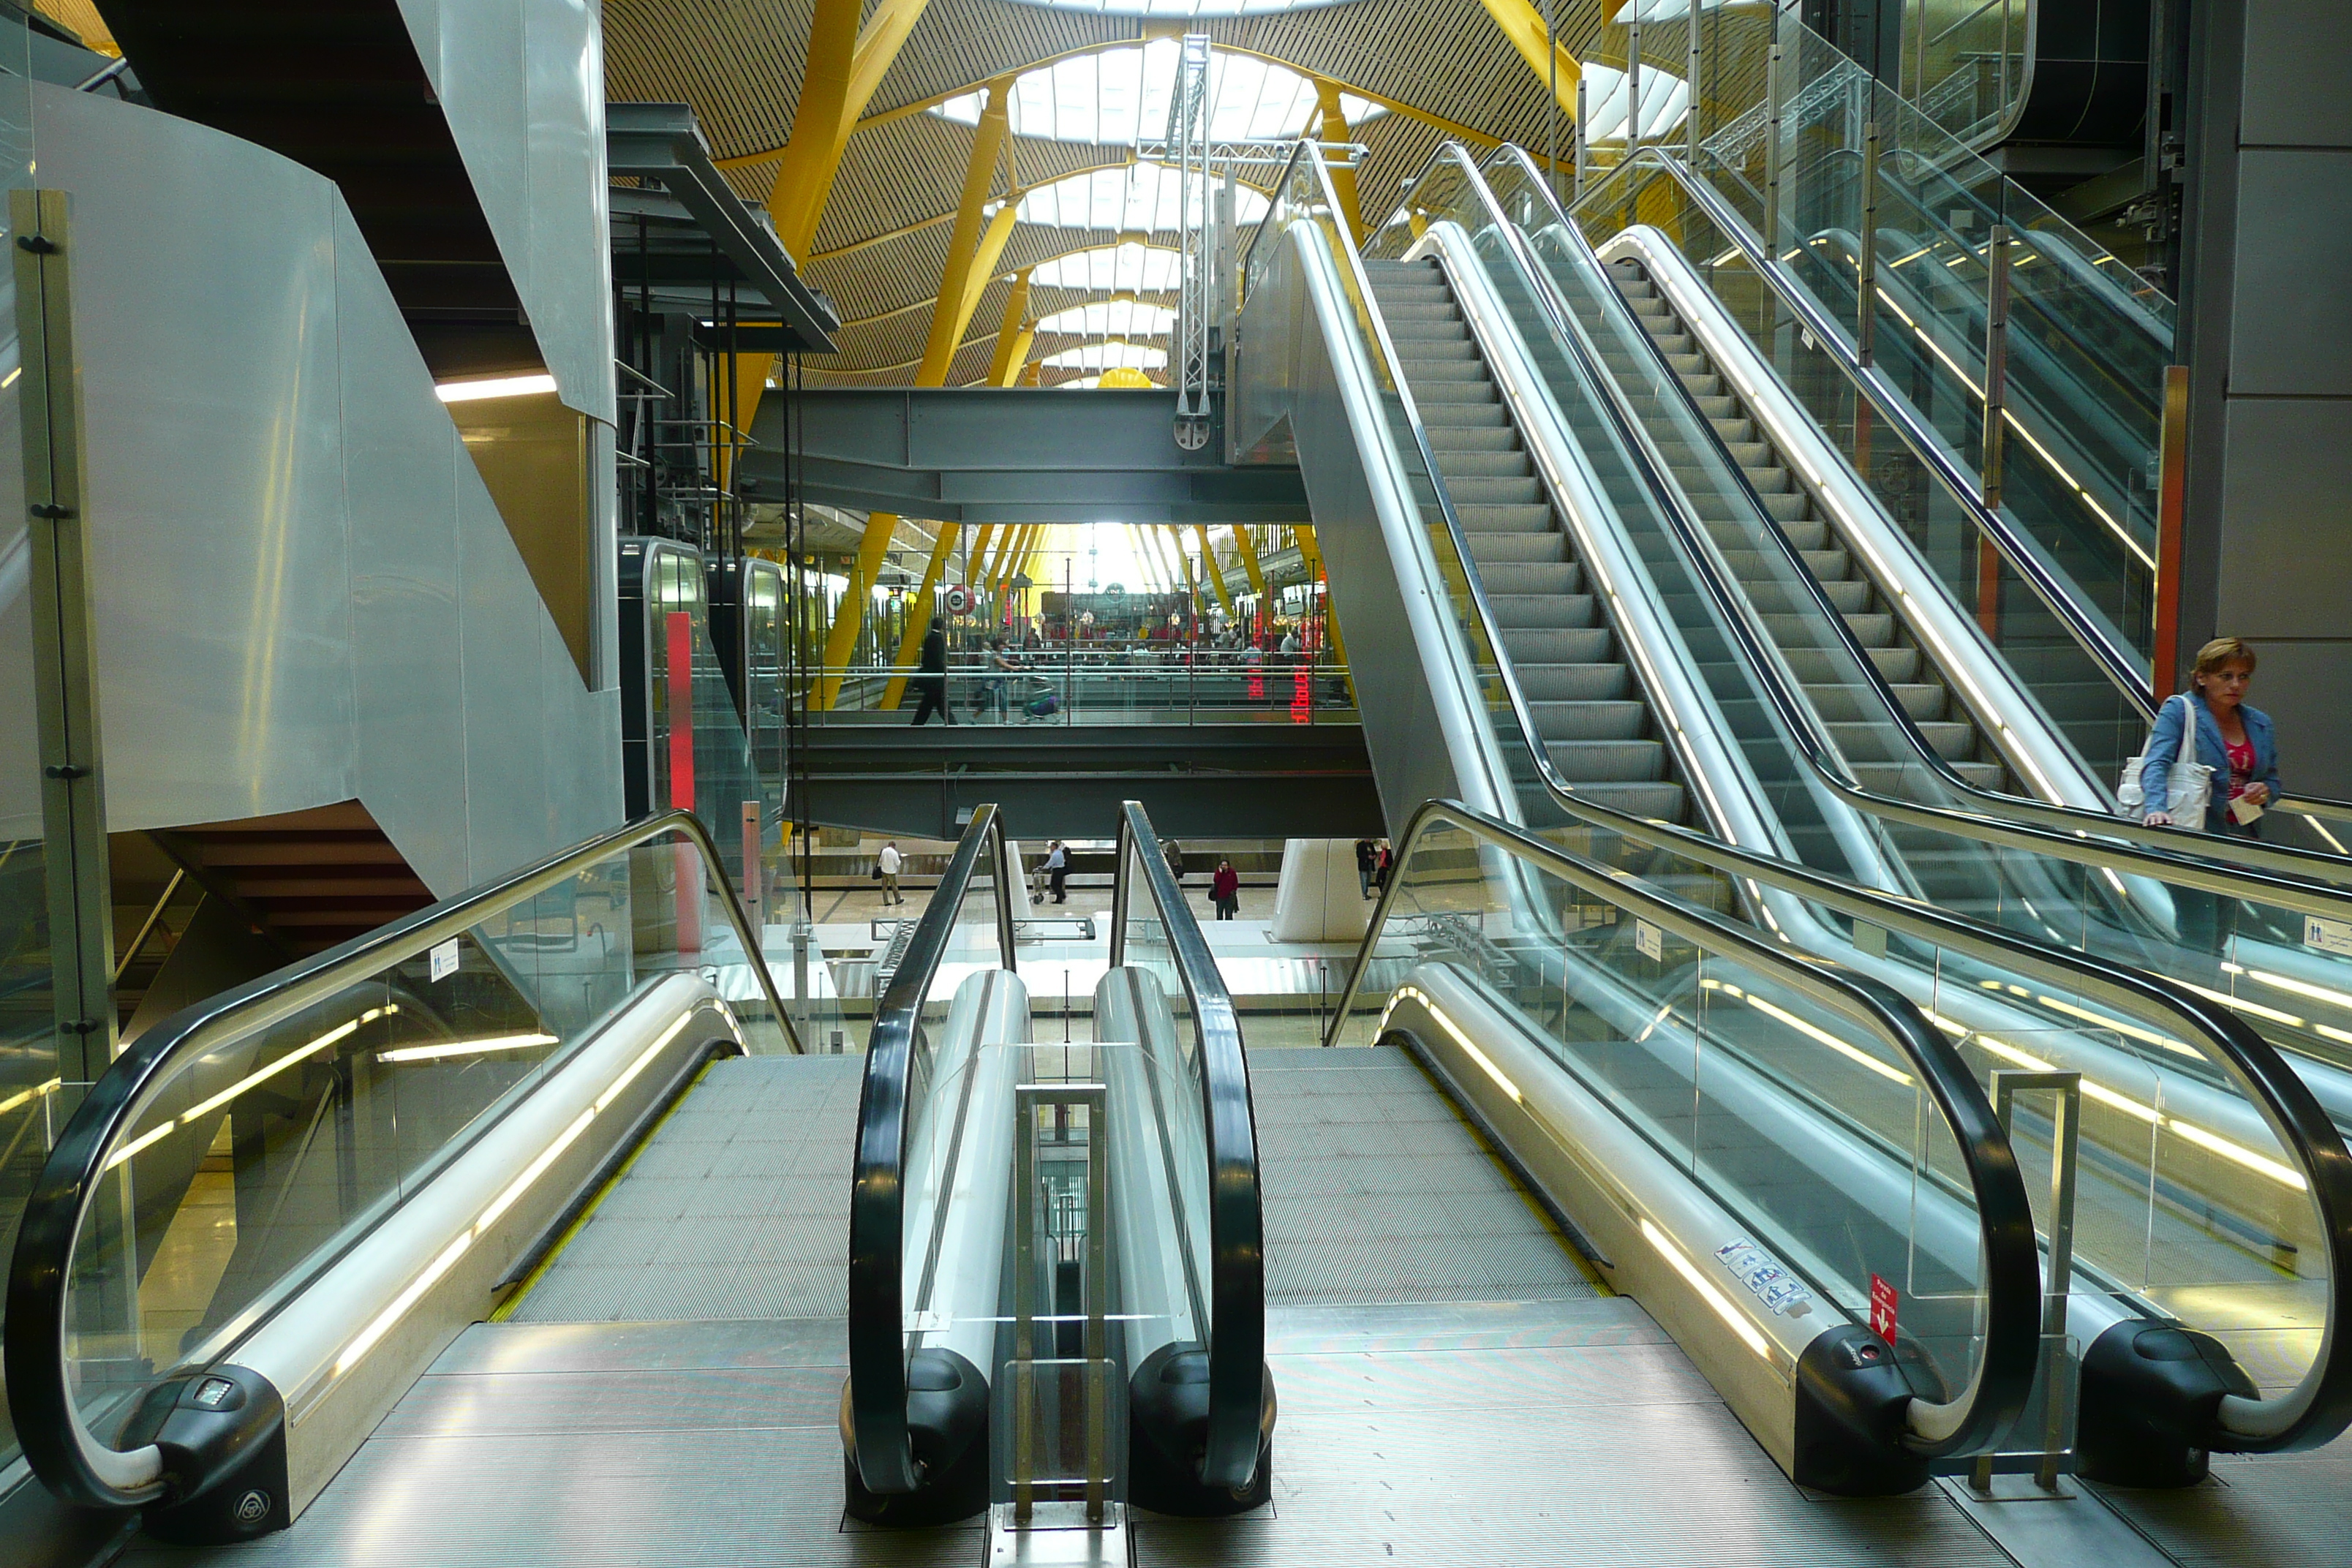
(2006, 710)
(1301, 356)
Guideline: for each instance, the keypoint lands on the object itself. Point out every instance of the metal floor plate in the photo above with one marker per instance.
(738, 1208)
(1378, 1191)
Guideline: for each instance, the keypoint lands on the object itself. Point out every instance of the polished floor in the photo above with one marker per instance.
(1454, 1387)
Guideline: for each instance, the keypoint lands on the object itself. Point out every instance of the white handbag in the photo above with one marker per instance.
(2189, 784)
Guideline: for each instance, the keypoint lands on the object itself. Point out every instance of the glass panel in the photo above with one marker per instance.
(261, 1153)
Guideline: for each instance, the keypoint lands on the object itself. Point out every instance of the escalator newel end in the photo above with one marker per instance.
(2151, 1403)
(1168, 1431)
(1850, 1399)
(223, 1436)
(947, 1427)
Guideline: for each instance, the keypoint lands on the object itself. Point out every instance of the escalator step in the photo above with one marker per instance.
(1530, 645)
(1661, 802)
(1574, 682)
(1514, 612)
(1505, 578)
(1517, 548)
(1567, 724)
(1505, 519)
(1484, 490)
(1608, 761)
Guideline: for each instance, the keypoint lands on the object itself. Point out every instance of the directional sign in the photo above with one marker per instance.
(958, 600)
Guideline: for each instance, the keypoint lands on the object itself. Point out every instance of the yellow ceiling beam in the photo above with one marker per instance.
(1013, 334)
(849, 615)
(1334, 128)
(951, 307)
(1249, 559)
(845, 65)
(1453, 128)
(1211, 569)
(1522, 23)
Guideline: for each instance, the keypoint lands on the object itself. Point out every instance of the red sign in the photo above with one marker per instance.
(1882, 1309)
(679, 628)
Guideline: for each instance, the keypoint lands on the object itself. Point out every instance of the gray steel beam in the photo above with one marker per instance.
(1015, 454)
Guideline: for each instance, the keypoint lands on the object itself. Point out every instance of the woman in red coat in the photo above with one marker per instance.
(1225, 890)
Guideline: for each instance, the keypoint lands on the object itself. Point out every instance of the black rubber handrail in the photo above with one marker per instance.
(881, 1444)
(2298, 880)
(2011, 1325)
(40, 1393)
(2286, 1103)
(1236, 1214)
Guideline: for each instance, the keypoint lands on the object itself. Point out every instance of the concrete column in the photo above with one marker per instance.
(1319, 897)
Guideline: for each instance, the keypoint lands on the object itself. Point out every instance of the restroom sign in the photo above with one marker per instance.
(1883, 1302)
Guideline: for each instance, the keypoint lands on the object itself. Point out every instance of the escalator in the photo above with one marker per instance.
(1796, 838)
(421, 1184)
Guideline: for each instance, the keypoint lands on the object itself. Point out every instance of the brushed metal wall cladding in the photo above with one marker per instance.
(523, 87)
(308, 594)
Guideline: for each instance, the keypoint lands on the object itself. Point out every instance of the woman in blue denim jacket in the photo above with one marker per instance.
(2238, 744)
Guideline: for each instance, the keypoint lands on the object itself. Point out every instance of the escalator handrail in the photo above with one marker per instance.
(2322, 1402)
(1984, 1411)
(1236, 1213)
(48, 1424)
(881, 1446)
(2293, 878)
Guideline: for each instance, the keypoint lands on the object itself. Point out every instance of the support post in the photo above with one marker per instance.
(2171, 492)
(1334, 128)
(1014, 333)
(1690, 88)
(1634, 82)
(971, 253)
(1866, 309)
(1576, 130)
(1996, 398)
(1772, 148)
(1249, 559)
(65, 669)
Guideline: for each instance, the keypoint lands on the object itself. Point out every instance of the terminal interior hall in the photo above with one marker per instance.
(1217, 782)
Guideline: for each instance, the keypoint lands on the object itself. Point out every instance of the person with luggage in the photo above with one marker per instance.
(2211, 726)
(1057, 871)
(1225, 890)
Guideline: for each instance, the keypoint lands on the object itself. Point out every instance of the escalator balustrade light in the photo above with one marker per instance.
(443, 1049)
(2240, 1005)
(1723, 1304)
(10, 379)
(1831, 1041)
(383, 1321)
(26, 1096)
(2101, 1021)
(2340, 1036)
(2100, 1094)
(1486, 1063)
(2300, 987)
(205, 1108)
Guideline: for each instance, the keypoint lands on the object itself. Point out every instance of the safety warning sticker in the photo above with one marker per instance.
(1771, 1284)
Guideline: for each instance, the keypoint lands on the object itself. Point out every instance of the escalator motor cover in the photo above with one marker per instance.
(223, 1436)
(2151, 1403)
(1168, 1433)
(947, 1425)
(1851, 1398)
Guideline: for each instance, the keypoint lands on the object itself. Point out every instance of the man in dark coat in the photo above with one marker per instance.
(931, 677)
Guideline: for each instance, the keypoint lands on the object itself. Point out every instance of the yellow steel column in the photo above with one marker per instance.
(1249, 559)
(841, 641)
(971, 253)
(1215, 573)
(1334, 128)
(1522, 23)
(1014, 333)
(918, 616)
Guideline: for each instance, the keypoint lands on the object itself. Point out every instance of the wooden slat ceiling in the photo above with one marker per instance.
(739, 64)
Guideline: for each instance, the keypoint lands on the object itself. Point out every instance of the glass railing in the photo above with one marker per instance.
(239, 1150)
(1847, 1136)
(1210, 1137)
(1989, 988)
(1051, 686)
(2087, 339)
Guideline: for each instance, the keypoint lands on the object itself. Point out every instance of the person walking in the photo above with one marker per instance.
(1365, 865)
(1057, 871)
(2238, 744)
(1225, 890)
(889, 863)
(931, 677)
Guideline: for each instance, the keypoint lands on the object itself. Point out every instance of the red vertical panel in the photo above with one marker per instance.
(680, 627)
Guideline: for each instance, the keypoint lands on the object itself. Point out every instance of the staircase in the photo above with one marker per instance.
(1587, 709)
(307, 879)
(1845, 712)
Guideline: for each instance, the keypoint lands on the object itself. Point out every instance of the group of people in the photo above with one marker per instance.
(1374, 861)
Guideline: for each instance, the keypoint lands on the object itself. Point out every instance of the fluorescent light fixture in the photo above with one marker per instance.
(2300, 987)
(26, 1096)
(1831, 1041)
(1707, 1290)
(300, 1053)
(382, 1322)
(442, 1049)
(493, 386)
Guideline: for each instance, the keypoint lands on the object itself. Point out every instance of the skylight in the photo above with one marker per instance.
(1115, 97)
(1665, 95)
(1111, 318)
(1112, 268)
(1181, 8)
(1138, 197)
(1114, 378)
(1111, 354)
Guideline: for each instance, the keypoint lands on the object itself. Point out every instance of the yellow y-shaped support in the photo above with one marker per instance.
(1249, 560)
(971, 253)
(849, 617)
(1209, 567)
(1343, 180)
(1014, 333)
(1522, 23)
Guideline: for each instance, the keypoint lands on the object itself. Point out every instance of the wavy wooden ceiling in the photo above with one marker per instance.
(739, 63)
